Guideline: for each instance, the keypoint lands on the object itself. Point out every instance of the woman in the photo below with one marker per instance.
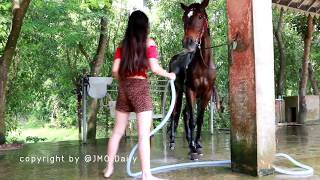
(136, 54)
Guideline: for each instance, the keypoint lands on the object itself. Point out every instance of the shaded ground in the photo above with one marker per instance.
(57, 160)
(12, 146)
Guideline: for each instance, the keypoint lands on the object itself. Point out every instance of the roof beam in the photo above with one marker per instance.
(290, 2)
(308, 6)
(311, 5)
(302, 1)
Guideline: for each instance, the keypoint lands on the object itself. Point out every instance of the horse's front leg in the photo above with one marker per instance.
(190, 123)
(175, 119)
(203, 103)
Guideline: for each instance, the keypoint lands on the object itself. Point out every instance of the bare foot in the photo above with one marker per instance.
(107, 172)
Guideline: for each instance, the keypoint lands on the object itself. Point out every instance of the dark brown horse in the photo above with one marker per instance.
(196, 76)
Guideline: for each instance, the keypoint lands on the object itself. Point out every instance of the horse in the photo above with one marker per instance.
(196, 75)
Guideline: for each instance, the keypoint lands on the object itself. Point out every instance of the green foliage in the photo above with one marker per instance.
(11, 123)
(35, 139)
(12, 140)
(295, 26)
(293, 43)
(299, 23)
(222, 120)
(48, 61)
(5, 20)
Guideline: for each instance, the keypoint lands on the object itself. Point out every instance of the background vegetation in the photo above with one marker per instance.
(48, 60)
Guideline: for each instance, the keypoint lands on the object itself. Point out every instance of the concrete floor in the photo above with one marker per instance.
(58, 160)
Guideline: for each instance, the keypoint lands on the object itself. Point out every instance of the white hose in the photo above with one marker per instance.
(221, 163)
(307, 172)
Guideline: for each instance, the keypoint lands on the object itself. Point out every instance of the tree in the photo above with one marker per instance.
(48, 62)
(19, 10)
(47, 66)
(313, 80)
(281, 47)
(96, 66)
(304, 71)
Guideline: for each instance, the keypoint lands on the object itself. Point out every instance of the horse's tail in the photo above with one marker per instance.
(216, 99)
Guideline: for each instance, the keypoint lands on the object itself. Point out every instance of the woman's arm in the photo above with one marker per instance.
(154, 64)
(115, 68)
(157, 69)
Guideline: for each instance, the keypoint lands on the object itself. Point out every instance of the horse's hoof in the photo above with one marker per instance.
(199, 151)
(198, 145)
(172, 146)
(194, 156)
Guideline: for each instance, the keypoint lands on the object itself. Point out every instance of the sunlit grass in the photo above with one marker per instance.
(46, 133)
(49, 134)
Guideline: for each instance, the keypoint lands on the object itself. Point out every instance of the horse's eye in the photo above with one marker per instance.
(200, 17)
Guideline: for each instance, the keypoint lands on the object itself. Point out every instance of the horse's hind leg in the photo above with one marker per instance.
(175, 119)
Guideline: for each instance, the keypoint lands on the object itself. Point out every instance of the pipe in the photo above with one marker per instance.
(221, 163)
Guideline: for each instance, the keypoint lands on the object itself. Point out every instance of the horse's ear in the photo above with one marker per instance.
(184, 7)
(204, 3)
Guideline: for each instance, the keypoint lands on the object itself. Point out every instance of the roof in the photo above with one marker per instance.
(308, 7)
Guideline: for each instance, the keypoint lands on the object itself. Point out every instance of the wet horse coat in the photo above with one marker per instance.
(196, 77)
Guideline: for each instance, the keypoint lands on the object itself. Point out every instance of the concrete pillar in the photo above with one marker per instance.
(251, 86)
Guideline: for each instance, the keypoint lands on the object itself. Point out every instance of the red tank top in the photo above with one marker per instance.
(151, 53)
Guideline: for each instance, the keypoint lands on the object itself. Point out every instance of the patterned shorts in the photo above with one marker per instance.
(134, 96)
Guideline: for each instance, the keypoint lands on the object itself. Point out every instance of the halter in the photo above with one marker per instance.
(204, 27)
(200, 34)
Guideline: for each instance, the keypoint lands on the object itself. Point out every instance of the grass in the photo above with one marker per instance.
(34, 131)
(49, 134)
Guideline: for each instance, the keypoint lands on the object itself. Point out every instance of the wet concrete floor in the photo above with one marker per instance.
(71, 160)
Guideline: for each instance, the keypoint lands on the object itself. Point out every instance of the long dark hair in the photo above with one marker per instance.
(133, 47)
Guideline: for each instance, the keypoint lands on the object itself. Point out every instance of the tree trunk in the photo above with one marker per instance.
(313, 80)
(78, 90)
(282, 58)
(76, 81)
(18, 11)
(304, 71)
(96, 66)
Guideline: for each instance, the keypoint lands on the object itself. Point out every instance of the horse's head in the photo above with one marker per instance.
(195, 21)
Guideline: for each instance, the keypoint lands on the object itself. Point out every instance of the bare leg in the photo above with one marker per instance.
(144, 125)
(113, 144)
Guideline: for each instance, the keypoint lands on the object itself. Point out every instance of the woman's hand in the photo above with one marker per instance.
(172, 76)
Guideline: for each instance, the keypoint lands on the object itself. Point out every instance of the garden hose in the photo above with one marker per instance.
(308, 171)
